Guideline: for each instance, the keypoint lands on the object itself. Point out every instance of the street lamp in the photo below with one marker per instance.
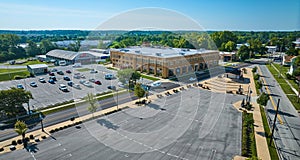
(41, 118)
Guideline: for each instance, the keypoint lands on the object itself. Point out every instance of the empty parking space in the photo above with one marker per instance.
(184, 129)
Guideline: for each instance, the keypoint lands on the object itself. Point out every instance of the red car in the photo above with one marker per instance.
(68, 71)
(98, 82)
(51, 74)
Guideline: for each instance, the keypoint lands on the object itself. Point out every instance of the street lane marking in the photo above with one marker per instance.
(271, 98)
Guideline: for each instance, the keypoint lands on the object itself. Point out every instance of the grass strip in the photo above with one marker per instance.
(149, 77)
(248, 137)
(272, 149)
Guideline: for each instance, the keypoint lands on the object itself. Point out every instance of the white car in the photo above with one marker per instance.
(63, 88)
(77, 76)
(77, 86)
(88, 84)
(92, 80)
(155, 84)
(93, 71)
(192, 79)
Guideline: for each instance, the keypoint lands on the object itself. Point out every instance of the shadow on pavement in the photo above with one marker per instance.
(280, 112)
(107, 124)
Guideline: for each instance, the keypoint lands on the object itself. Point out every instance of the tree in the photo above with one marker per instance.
(263, 99)
(101, 45)
(32, 49)
(46, 46)
(221, 38)
(230, 46)
(92, 101)
(135, 76)
(139, 91)
(74, 46)
(11, 100)
(21, 128)
(243, 53)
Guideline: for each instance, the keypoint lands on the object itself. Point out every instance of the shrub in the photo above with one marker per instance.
(288, 76)
(52, 131)
(44, 137)
(256, 77)
(27, 139)
(16, 77)
(1, 149)
(254, 69)
(31, 136)
(56, 129)
(19, 141)
(258, 84)
(263, 99)
(13, 142)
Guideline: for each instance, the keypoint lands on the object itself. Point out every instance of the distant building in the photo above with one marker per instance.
(36, 69)
(297, 43)
(227, 56)
(287, 60)
(271, 49)
(164, 61)
(238, 46)
(83, 57)
(41, 57)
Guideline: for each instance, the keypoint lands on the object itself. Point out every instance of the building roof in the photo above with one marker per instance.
(96, 54)
(288, 58)
(34, 66)
(165, 52)
(68, 55)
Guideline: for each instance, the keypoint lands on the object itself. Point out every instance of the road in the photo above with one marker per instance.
(65, 115)
(287, 135)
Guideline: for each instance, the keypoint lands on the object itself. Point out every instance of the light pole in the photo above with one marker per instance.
(42, 125)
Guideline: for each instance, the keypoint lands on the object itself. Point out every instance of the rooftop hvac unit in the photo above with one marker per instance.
(181, 53)
(158, 54)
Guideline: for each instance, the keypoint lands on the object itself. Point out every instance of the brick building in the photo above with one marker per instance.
(164, 61)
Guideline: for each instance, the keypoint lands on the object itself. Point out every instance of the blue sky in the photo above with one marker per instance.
(210, 14)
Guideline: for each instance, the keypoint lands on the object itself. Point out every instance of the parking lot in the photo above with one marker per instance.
(46, 93)
(192, 124)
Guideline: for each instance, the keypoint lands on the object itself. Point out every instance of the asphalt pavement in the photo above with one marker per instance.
(287, 135)
(193, 124)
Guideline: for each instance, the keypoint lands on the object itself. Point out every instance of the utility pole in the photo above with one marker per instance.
(274, 121)
(42, 125)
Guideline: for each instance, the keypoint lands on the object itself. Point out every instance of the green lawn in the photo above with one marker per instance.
(2, 70)
(6, 75)
(149, 77)
(111, 68)
(272, 149)
(83, 69)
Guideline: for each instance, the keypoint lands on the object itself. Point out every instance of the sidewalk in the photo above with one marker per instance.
(259, 131)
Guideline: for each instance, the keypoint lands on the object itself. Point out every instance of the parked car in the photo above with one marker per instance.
(98, 82)
(92, 80)
(53, 77)
(93, 71)
(51, 81)
(54, 70)
(82, 81)
(111, 87)
(70, 83)
(68, 71)
(67, 78)
(77, 86)
(63, 88)
(60, 72)
(20, 86)
(33, 84)
(42, 80)
(77, 65)
(82, 76)
(88, 84)
(51, 74)
(77, 76)
(109, 76)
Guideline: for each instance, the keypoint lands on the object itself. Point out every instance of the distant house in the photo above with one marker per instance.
(287, 60)
(271, 49)
(297, 43)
